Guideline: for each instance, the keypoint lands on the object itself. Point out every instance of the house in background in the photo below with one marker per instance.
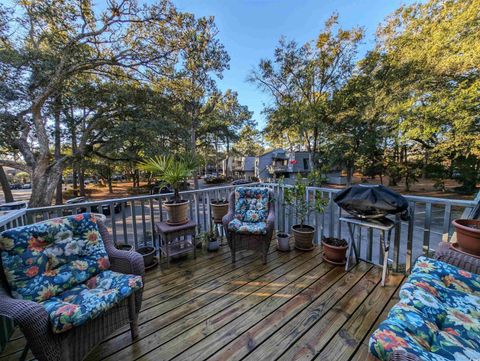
(281, 163)
(239, 167)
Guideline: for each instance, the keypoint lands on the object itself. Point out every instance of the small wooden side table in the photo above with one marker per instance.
(172, 240)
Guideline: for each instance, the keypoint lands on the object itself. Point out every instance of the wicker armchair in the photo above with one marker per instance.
(241, 238)
(74, 344)
(448, 255)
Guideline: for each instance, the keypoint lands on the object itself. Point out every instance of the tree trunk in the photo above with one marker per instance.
(45, 177)
(7, 192)
(193, 149)
(349, 173)
(81, 181)
(58, 192)
(110, 187)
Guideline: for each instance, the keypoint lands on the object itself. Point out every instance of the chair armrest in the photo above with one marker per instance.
(271, 215)
(25, 313)
(459, 259)
(121, 261)
(231, 211)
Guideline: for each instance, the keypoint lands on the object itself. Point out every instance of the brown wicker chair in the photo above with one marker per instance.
(241, 241)
(76, 343)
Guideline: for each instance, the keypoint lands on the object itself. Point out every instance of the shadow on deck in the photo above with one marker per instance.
(297, 307)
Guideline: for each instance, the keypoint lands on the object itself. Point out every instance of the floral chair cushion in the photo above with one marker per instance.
(437, 318)
(251, 204)
(84, 302)
(247, 227)
(44, 259)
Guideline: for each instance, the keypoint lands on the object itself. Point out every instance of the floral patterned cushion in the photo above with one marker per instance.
(86, 301)
(44, 259)
(437, 318)
(247, 227)
(251, 204)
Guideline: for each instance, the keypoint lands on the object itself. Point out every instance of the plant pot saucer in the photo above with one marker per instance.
(177, 223)
(333, 262)
(305, 249)
(456, 247)
(153, 265)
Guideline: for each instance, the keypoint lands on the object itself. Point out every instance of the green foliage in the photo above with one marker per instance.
(172, 170)
(295, 198)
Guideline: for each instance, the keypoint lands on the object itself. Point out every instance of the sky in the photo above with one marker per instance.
(250, 30)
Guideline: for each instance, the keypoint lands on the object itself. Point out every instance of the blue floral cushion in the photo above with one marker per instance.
(247, 227)
(44, 259)
(251, 204)
(437, 318)
(86, 301)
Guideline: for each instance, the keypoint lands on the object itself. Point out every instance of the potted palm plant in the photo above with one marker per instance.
(295, 198)
(173, 170)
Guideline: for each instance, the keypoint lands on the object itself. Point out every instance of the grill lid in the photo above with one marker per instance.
(372, 201)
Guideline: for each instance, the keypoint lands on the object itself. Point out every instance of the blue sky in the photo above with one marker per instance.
(250, 30)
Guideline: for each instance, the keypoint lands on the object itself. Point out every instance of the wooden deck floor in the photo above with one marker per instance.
(297, 307)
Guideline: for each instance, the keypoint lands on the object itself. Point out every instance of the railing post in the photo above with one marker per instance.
(411, 226)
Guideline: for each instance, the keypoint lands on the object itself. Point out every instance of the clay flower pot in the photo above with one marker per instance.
(303, 236)
(177, 213)
(219, 209)
(283, 241)
(334, 250)
(468, 235)
(148, 254)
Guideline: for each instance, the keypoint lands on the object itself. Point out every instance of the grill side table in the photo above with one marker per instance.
(384, 225)
(169, 241)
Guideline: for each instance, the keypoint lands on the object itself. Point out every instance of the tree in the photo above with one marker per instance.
(59, 42)
(303, 79)
(249, 141)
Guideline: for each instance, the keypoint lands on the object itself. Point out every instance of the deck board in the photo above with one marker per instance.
(297, 307)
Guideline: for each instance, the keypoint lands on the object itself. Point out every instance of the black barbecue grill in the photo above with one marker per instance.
(372, 201)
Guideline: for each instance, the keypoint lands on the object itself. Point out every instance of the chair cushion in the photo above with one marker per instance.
(437, 318)
(84, 302)
(247, 227)
(42, 260)
(251, 204)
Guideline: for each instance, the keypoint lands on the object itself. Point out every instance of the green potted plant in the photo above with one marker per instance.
(295, 198)
(211, 240)
(173, 170)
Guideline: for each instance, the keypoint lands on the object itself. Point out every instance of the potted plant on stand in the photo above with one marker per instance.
(173, 171)
(295, 198)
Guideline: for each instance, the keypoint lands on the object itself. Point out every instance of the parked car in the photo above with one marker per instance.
(27, 186)
(240, 181)
(13, 206)
(16, 186)
(117, 206)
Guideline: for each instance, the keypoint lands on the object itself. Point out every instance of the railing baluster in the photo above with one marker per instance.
(144, 225)
(331, 216)
(411, 226)
(114, 224)
(134, 224)
(124, 223)
(426, 229)
(396, 243)
(370, 244)
(446, 221)
(152, 221)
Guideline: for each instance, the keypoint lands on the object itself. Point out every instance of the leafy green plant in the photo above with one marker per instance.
(296, 200)
(173, 170)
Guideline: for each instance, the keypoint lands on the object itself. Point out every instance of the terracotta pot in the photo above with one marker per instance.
(303, 236)
(283, 241)
(334, 254)
(219, 209)
(468, 235)
(148, 254)
(177, 213)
